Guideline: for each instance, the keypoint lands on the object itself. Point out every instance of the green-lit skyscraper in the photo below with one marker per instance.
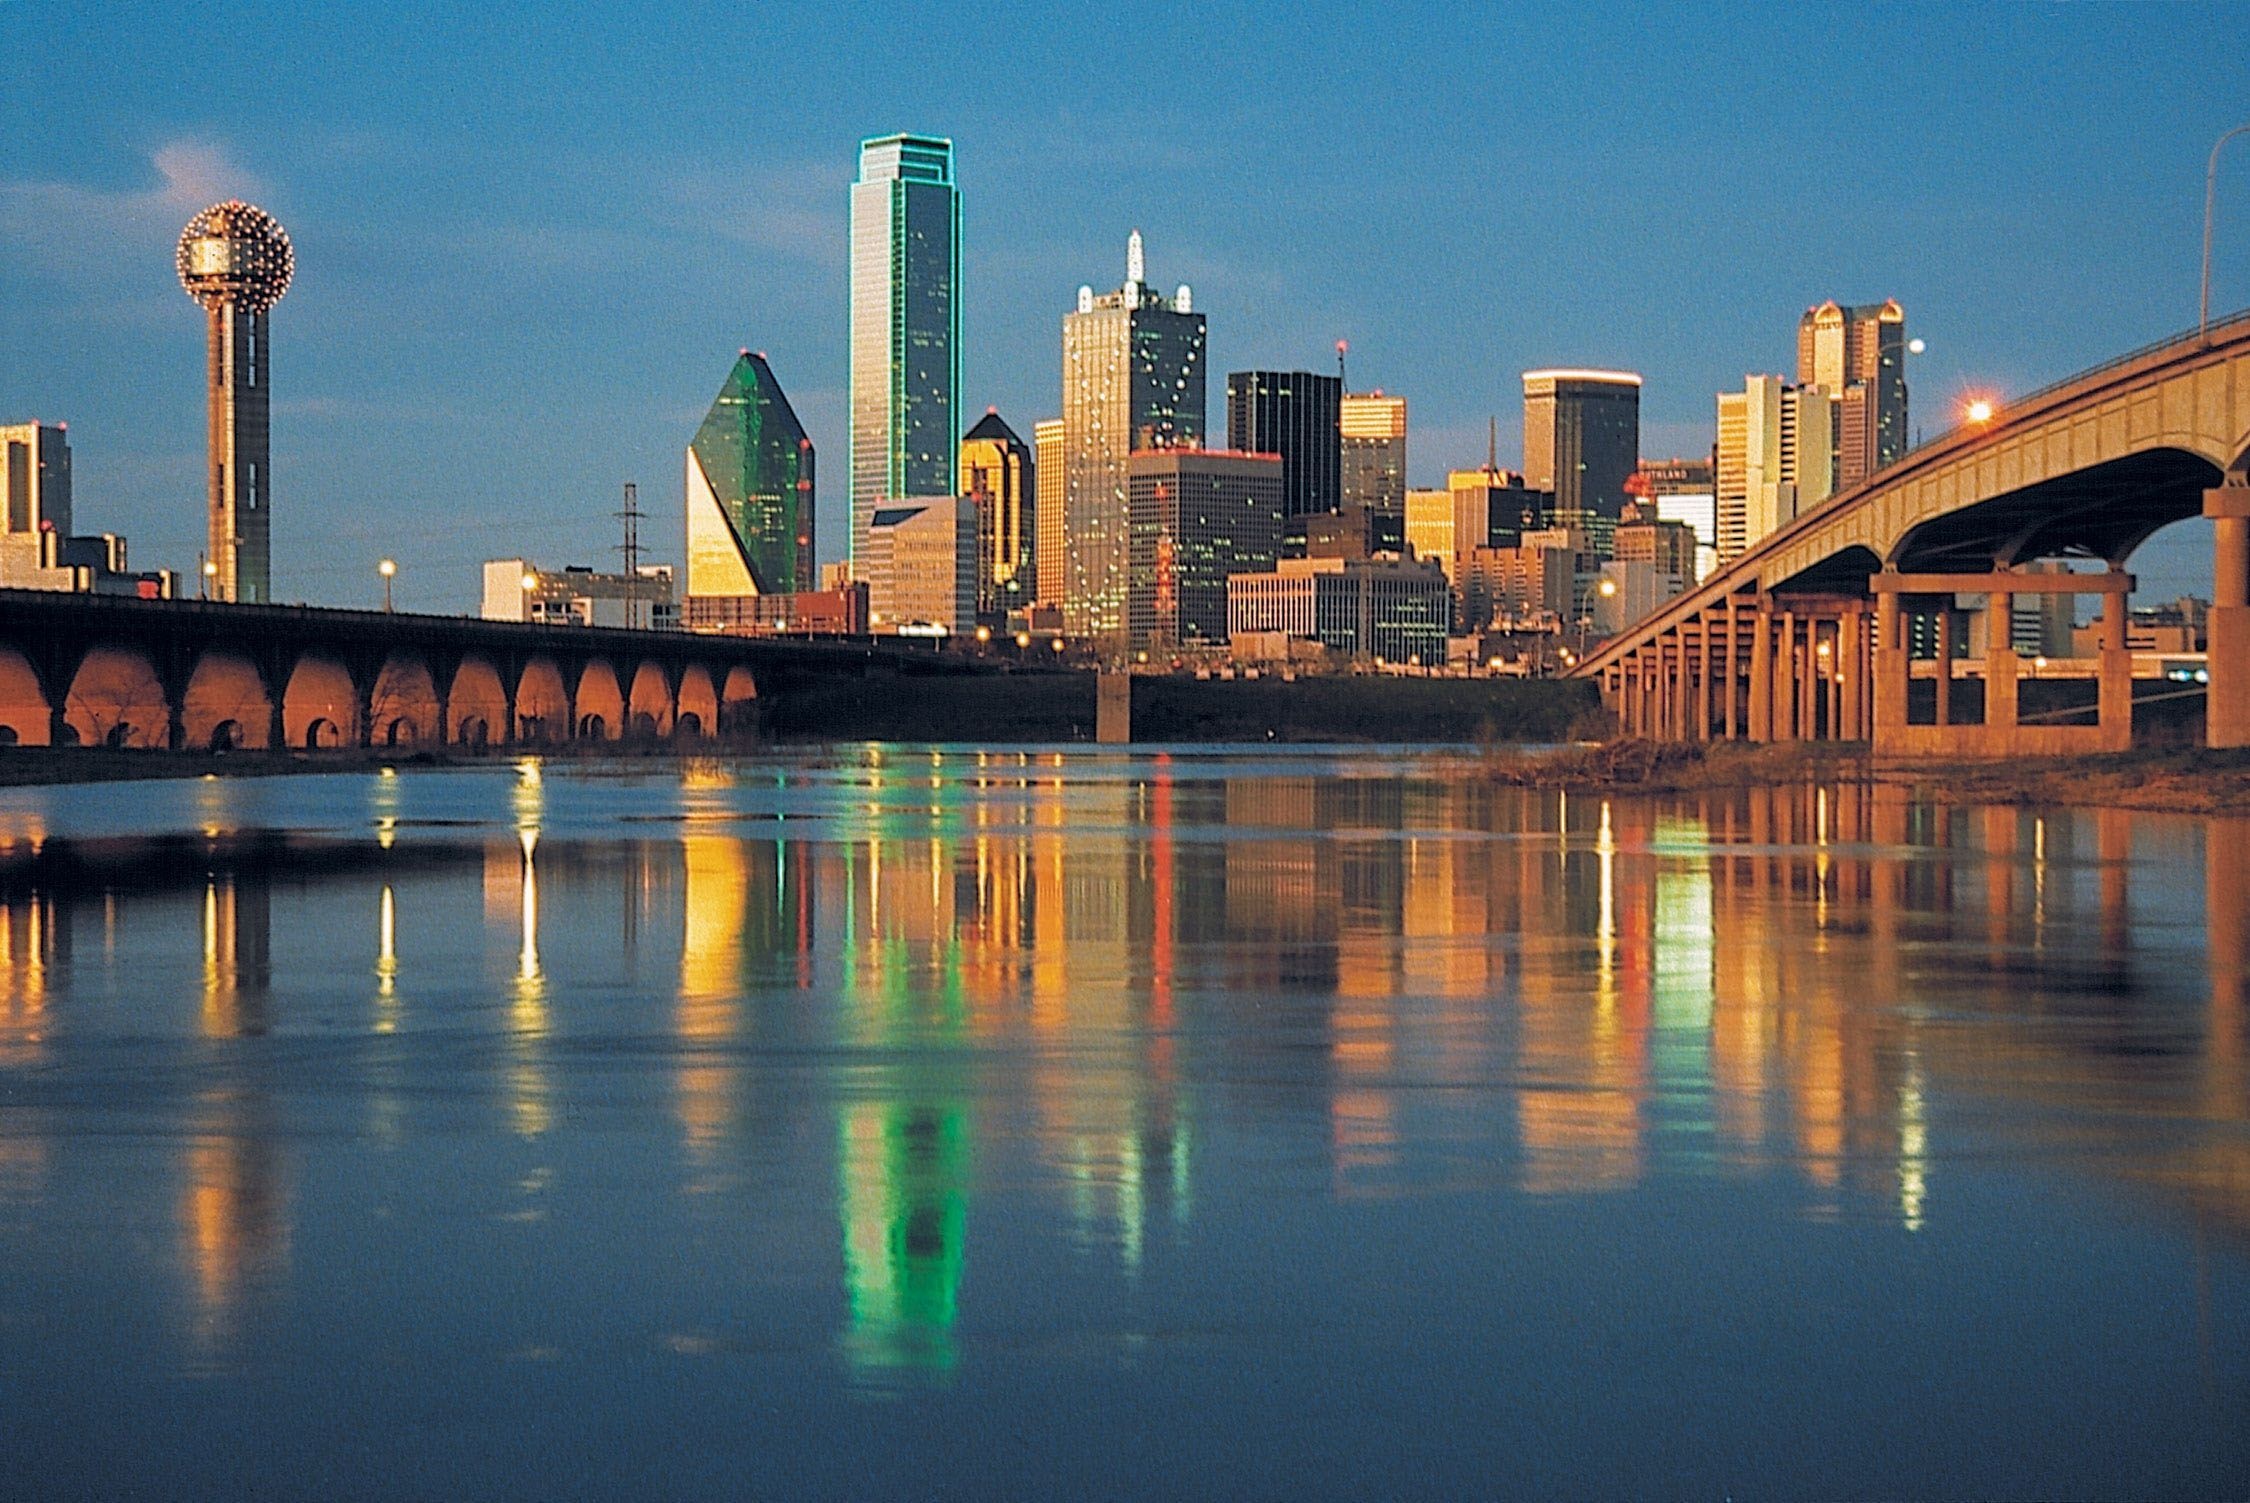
(905, 324)
(750, 492)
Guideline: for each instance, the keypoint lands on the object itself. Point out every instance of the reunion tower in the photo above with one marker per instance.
(235, 260)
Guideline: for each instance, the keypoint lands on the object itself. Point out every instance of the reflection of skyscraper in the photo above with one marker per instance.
(1132, 380)
(905, 1207)
(750, 497)
(905, 324)
(235, 260)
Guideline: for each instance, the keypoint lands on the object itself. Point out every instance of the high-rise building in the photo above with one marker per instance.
(750, 497)
(999, 477)
(1372, 443)
(1198, 516)
(1685, 491)
(1133, 379)
(36, 457)
(1582, 440)
(1293, 414)
(1391, 610)
(1050, 550)
(37, 550)
(905, 324)
(1776, 458)
(1841, 348)
(235, 259)
(921, 567)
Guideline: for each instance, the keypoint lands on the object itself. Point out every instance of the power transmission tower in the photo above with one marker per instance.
(631, 516)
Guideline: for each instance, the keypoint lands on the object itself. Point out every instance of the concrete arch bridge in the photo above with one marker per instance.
(112, 671)
(1846, 624)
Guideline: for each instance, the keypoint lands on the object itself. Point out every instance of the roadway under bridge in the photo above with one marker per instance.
(98, 670)
(1812, 633)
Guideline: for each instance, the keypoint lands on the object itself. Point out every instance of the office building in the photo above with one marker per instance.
(37, 549)
(1582, 440)
(1372, 453)
(516, 590)
(1858, 355)
(1522, 585)
(1199, 516)
(1293, 414)
(999, 478)
(1389, 610)
(749, 489)
(1668, 547)
(905, 325)
(1684, 491)
(235, 260)
(920, 567)
(1050, 552)
(1775, 460)
(1133, 379)
(837, 609)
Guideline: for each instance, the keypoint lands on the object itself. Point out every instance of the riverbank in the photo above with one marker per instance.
(2187, 780)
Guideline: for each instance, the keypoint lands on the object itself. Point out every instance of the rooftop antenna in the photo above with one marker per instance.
(1492, 446)
(1342, 345)
(632, 551)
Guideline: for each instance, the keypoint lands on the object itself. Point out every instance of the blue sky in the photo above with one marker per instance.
(530, 240)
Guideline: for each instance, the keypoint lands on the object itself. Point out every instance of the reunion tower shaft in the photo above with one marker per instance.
(236, 261)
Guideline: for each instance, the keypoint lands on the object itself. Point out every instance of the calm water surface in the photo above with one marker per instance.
(913, 1123)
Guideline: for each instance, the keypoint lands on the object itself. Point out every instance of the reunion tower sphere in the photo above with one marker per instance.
(236, 253)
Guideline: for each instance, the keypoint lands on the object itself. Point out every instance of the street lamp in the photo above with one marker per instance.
(2210, 200)
(210, 573)
(1979, 410)
(388, 568)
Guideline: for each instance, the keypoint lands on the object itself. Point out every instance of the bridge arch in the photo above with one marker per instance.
(698, 713)
(319, 705)
(600, 702)
(738, 701)
(542, 702)
(25, 717)
(2104, 511)
(116, 699)
(402, 709)
(476, 704)
(225, 707)
(651, 707)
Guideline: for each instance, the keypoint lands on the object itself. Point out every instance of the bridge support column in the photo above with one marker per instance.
(1784, 688)
(2116, 674)
(1893, 671)
(1703, 677)
(1945, 664)
(2000, 666)
(1761, 675)
(1733, 671)
(2227, 702)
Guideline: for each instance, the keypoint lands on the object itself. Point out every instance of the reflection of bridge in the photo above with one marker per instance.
(1806, 636)
(88, 670)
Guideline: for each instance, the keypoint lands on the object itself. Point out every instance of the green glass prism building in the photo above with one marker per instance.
(905, 325)
(750, 491)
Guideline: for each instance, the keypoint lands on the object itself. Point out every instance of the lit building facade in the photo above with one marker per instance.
(1371, 431)
(516, 590)
(1294, 414)
(999, 478)
(37, 550)
(905, 325)
(1387, 609)
(921, 567)
(1526, 585)
(1582, 440)
(1776, 458)
(235, 259)
(1050, 554)
(1858, 355)
(1133, 379)
(1198, 517)
(750, 494)
(1686, 491)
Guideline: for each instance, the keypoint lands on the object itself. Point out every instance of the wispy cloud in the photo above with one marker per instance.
(70, 226)
(795, 210)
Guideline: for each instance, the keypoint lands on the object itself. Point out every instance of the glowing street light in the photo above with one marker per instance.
(1915, 347)
(1023, 640)
(2210, 200)
(388, 568)
(210, 572)
(1979, 410)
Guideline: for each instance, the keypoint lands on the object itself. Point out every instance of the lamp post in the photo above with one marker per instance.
(210, 572)
(2210, 201)
(388, 568)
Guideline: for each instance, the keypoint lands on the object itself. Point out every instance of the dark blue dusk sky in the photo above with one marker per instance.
(530, 240)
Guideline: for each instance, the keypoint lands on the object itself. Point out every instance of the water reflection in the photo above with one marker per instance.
(992, 1003)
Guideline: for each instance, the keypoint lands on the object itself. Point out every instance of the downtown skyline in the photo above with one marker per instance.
(1449, 280)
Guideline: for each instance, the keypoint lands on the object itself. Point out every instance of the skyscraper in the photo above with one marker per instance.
(235, 259)
(1582, 440)
(35, 468)
(750, 498)
(1372, 441)
(1776, 458)
(999, 476)
(1198, 516)
(1859, 354)
(1132, 381)
(1050, 553)
(1293, 414)
(905, 324)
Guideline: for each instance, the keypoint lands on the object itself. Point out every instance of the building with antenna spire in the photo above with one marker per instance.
(1133, 380)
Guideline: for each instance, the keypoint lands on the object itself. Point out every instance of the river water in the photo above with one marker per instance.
(907, 1123)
